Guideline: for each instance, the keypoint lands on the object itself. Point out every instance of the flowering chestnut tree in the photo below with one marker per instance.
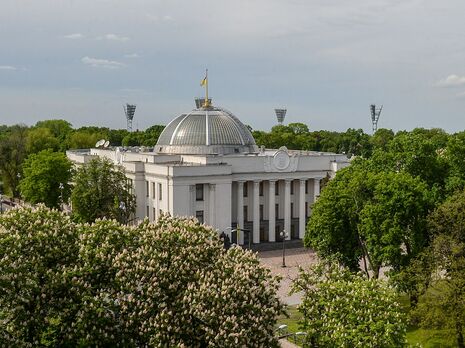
(343, 309)
(106, 284)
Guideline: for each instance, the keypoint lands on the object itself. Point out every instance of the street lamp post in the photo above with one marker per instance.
(284, 235)
(122, 206)
(61, 186)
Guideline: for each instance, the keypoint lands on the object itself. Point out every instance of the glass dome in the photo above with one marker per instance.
(209, 130)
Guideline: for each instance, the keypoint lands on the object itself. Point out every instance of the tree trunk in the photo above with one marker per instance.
(413, 300)
(458, 329)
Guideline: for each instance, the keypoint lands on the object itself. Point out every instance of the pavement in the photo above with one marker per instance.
(293, 259)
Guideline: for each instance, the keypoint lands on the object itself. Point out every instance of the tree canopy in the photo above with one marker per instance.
(378, 218)
(46, 178)
(101, 190)
(345, 309)
(154, 285)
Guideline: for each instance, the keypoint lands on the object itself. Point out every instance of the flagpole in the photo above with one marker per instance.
(206, 89)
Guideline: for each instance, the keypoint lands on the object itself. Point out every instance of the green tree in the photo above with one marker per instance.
(443, 303)
(151, 135)
(37, 248)
(377, 218)
(415, 153)
(83, 139)
(101, 190)
(343, 309)
(39, 139)
(46, 177)
(169, 284)
(132, 139)
(381, 139)
(12, 155)
(59, 128)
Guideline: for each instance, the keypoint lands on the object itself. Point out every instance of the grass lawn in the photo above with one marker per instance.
(427, 338)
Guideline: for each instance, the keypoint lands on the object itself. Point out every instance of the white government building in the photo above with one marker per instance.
(206, 164)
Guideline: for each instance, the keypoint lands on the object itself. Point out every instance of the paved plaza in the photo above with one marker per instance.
(294, 258)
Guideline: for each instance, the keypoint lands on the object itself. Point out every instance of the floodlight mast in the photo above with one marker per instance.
(129, 111)
(280, 115)
(375, 113)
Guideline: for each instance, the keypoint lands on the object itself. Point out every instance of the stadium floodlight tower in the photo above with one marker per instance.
(375, 113)
(129, 111)
(280, 115)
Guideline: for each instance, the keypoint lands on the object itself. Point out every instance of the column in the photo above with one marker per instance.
(256, 212)
(240, 211)
(287, 208)
(192, 200)
(316, 188)
(302, 209)
(271, 212)
(212, 204)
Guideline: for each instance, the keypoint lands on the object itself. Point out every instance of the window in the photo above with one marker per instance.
(260, 188)
(160, 192)
(160, 212)
(130, 184)
(199, 215)
(154, 211)
(153, 192)
(246, 189)
(276, 211)
(261, 212)
(246, 215)
(306, 209)
(147, 188)
(147, 212)
(199, 192)
(292, 187)
(276, 190)
(306, 186)
(292, 210)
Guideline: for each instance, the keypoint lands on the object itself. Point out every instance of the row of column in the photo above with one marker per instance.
(271, 207)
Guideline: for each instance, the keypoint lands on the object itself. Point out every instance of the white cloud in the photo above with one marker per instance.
(132, 55)
(155, 18)
(8, 67)
(113, 37)
(75, 36)
(102, 63)
(451, 81)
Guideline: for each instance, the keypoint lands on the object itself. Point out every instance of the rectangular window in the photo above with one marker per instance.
(130, 184)
(246, 189)
(199, 215)
(147, 188)
(199, 192)
(147, 212)
(160, 192)
(292, 210)
(261, 212)
(306, 186)
(276, 192)
(276, 211)
(153, 192)
(154, 212)
(292, 187)
(246, 215)
(160, 212)
(306, 210)
(260, 188)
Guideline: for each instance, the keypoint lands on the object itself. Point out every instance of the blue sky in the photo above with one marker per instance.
(325, 60)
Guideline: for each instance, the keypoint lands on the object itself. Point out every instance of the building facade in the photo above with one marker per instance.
(206, 164)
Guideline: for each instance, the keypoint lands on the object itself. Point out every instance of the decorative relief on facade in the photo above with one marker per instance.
(281, 161)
